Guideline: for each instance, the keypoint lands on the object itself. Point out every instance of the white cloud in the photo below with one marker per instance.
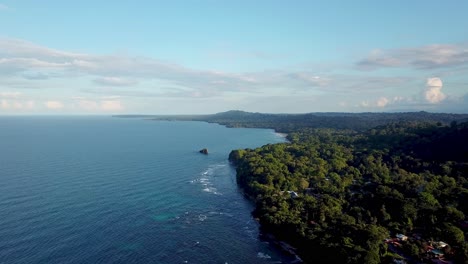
(379, 58)
(115, 81)
(434, 82)
(424, 57)
(3, 7)
(10, 94)
(14, 104)
(111, 105)
(312, 79)
(88, 105)
(113, 71)
(433, 93)
(54, 105)
(21, 64)
(4, 104)
(31, 61)
(382, 102)
(105, 103)
(141, 80)
(28, 105)
(399, 99)
(18, 57)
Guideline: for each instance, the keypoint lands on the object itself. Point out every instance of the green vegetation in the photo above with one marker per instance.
(347, 182)
(293, 122)
(337, 194)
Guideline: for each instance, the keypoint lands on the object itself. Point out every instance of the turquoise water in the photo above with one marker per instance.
(115, 190)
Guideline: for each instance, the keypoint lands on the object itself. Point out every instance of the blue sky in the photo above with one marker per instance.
(183, 57)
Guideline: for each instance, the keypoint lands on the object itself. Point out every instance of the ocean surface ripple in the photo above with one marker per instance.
(115, 190)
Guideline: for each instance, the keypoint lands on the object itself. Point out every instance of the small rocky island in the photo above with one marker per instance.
(204, 151)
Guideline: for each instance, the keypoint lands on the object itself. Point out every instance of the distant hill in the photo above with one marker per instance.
(292, 122)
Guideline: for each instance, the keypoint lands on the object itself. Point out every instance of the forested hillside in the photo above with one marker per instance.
(293, 122)
(355, 121)
(337, 195)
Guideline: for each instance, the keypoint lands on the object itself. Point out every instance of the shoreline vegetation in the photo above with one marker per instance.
(358, 188)
(282, 135)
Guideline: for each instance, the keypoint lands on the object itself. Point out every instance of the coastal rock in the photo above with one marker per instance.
(204, 151)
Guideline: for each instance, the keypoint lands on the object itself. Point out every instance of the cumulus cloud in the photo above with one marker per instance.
(382, 102)
(433, 93)
(15, 101)
(434, 82)
(23, 64)
(54, 105)
(14, 104)
(425, 57)
(31, 61)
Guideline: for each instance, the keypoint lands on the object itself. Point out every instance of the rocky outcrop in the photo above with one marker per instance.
(204, 151)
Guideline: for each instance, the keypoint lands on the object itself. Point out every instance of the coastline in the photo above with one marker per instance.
(368, 235)
(283, 135)
(283, 246)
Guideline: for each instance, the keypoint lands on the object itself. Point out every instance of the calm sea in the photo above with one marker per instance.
(116, 190)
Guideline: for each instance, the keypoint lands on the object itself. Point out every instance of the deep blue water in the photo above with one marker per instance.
(115, 190)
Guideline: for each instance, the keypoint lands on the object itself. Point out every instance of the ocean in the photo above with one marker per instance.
(125, 190)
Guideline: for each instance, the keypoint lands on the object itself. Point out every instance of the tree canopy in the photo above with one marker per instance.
(356, 188)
